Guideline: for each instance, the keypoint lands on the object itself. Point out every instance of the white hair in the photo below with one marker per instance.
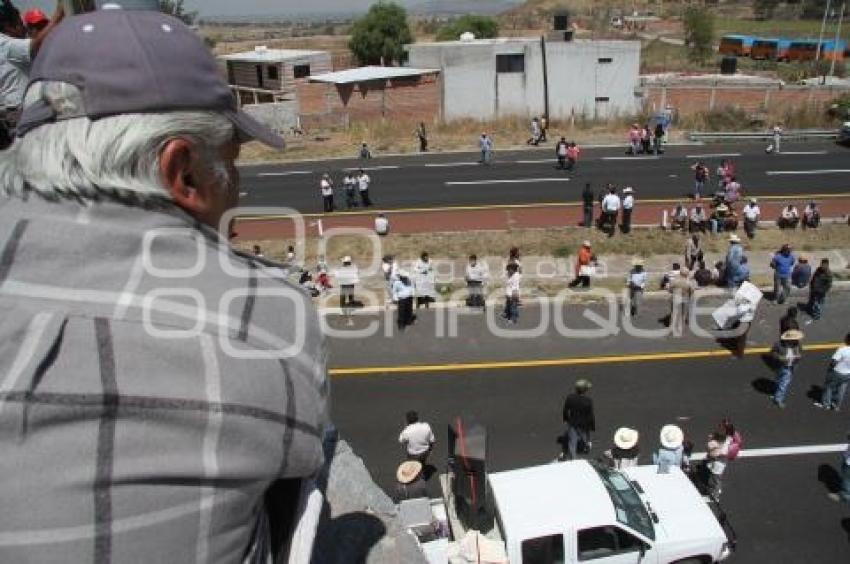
(117, 156)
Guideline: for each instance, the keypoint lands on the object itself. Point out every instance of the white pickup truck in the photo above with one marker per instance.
(580, 511)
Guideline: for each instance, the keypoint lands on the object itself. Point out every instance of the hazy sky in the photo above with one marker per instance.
(247, 7)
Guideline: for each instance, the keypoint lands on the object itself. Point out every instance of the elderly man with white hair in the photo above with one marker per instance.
(162, 397)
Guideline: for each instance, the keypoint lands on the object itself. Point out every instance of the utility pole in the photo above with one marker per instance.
(837, 38)
(822, 30)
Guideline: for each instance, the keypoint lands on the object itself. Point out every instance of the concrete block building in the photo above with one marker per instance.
(489, 78)
(271, 75)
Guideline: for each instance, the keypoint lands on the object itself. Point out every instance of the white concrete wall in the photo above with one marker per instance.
(473, 89)
(280, 116)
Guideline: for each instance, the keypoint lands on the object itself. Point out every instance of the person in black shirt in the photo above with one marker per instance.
(587, 206)
(578, 415)
(789, 321)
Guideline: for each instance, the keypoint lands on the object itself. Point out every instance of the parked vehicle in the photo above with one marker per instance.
(807, 49)
(570, 512)
(738, 45)
(844, 133)
(772, 49)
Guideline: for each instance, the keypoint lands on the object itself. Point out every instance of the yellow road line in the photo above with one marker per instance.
(372, 212)
(579, 361)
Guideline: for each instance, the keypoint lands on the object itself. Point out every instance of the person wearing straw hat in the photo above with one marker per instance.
(580, 420)
(672, 451)
(410, 484)
(732, 264)
(786, 353)
(625, 451)
(636, 283)
(681, 294)
(718, 221)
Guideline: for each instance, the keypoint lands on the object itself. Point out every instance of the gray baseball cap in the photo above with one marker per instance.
(127, 62)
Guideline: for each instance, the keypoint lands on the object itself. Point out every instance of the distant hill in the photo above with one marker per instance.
(459, 7)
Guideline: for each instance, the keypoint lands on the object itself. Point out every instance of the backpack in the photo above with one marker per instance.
(735, 446)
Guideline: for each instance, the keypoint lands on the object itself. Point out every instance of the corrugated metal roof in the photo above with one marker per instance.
(271, 55)
(365, 74)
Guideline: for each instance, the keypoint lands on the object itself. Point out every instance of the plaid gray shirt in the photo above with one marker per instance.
(153, 384)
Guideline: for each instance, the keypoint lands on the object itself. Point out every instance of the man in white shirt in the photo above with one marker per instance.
(628, 206)
(417, 438)
(382, 225)
(636, 282)
(326, 186)
(363, 182)
(347, 276)
(751, 213)
(16, 54)
(837, 378)
(477, 274)
(610, 208)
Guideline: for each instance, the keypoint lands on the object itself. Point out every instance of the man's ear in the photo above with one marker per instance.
(176, 168)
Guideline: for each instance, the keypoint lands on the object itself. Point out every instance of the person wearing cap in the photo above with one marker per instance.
(158, 371)
(35, 20)
(628, 207)
(625, 452)
(610, 208)
(19, 44)
(417, 438)
(402, 293)
(409, 482)
(819, 287)
(782, 264)
(672, 452)
(580, 420)
(697, 220)
(789, 217)
(787, 353)
(751, 213)
(636, 284)
(583, 266)
(363, 182)
(802, 273)
(513, 279)
(681, 294)
(811, 216)
(679, 218)
(732, 264)
(347, 277)
(837, 378)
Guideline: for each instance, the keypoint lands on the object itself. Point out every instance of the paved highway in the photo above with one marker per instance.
(776, 499)
(521, 177)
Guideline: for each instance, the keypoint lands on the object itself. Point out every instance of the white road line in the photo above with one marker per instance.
(441, 165)
(784, 451)
(243, 194)
(382, 167)
(632, 158)
(713, 156)
(511, 181)
(538, 161)
(804, 153)
(823, 171)
(287, 173)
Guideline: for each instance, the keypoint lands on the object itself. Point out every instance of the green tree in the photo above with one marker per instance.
(379, 36)
(175, 8)
(480, 26)
(699, 33)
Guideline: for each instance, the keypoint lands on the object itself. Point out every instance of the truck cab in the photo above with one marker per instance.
(580, 511)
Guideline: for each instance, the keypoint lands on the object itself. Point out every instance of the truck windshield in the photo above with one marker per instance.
(628, 505)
